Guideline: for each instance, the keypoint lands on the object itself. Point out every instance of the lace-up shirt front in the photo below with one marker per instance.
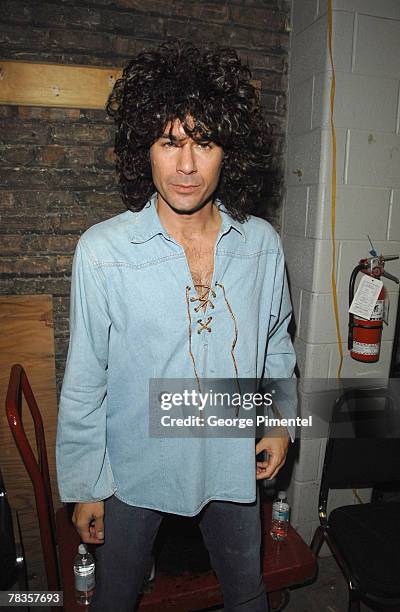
(135, 314)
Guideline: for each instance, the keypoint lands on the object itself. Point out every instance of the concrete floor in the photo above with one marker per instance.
(328, 593)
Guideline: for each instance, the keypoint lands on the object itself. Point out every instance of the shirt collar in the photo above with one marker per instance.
(147, 223)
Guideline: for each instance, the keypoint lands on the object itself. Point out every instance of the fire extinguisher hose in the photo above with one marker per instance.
(353, 277)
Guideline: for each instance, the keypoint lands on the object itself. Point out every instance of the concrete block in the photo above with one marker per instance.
(377, 48)
(346, 497)
(305, 530)
(322, 399)
(322, 7)
(299, 254)
(304, 13)
(317, 403)
(313, 359)
(303, 330)
(360, 211)
(363, 102)
(300, 106)
(308, 500)
(306, 468)
(373, 159)
(352, 251)
(389, 329)
(293, 499)
(295, 294)
(309, 157)
(318, 219)
(309, 51)
(394, 222)
(321, 281)
(295, 210)
(308, 263)
(303, 158)
(317, 322)
(389, 9)
(320, 102)
(300, 350)
(342, 43)
(325, 175)
(356, 369)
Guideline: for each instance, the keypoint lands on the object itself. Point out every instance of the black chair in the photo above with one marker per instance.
(363, 450)
(12, 555)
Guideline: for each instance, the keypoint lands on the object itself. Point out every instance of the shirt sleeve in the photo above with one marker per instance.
(280, 357)
(83, 469)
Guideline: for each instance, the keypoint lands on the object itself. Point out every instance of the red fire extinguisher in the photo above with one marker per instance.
(364, 341)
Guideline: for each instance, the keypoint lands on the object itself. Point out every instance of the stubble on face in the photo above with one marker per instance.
(185, 172)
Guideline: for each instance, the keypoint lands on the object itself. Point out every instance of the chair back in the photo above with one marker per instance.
(363, 449)
(8, 555)
(37, 469)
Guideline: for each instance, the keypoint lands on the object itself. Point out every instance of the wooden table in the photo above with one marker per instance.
(285, 564)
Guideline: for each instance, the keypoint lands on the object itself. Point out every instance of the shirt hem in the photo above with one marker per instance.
(180, 512)
(86, 501)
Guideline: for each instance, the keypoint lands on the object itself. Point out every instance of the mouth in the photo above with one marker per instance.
(185, 188)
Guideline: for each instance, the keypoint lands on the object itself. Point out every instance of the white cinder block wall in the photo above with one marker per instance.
(366, 49)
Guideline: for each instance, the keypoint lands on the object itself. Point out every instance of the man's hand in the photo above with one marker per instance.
(276, 446)
(88, 519)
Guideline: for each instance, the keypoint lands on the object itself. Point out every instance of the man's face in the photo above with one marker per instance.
(185, 173)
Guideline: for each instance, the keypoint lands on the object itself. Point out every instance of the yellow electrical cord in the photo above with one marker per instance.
(333, 205)
(333, 195)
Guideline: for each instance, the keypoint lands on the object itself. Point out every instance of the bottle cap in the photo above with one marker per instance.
(282, 494)
(82, 550)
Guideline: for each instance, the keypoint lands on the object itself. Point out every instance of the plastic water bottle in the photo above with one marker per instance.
(280, 517)
(84, 568)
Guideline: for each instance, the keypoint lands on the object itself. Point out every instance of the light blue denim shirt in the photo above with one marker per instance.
(129, 321)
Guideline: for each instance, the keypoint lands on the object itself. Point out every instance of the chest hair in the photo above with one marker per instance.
(200, 258)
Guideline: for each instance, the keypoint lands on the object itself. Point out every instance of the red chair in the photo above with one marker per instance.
(284, 566)
(55, 531)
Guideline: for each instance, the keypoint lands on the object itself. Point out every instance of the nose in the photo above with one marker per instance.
(186, 162)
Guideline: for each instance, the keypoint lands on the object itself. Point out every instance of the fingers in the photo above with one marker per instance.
(88, 519)
(264, 473)
(269, 469)
(264, 469)
(276, 448)
(277, 469)
(99, 528)
(261, 445)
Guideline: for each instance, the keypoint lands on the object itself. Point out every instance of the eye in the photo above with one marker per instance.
(205, 145)
(169, 144)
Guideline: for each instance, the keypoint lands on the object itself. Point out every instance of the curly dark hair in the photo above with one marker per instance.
(211, 86)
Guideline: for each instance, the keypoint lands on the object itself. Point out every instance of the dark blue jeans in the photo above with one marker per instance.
(231, 532)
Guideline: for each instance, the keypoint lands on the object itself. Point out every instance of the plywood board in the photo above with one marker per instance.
(28, 338)
(36, 84)
(58, 85)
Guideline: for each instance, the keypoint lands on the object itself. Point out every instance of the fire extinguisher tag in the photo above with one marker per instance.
(366, 297)
(379, 311)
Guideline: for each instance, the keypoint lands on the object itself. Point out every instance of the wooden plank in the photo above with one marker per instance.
(58, 85)
(55, 85)
(28, 338)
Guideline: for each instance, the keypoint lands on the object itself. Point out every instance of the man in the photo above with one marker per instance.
(184, 284)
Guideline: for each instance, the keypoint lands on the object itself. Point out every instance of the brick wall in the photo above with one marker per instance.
(56, 165)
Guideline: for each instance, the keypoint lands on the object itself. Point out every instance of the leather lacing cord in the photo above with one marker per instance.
(188, 288)
(204, 300)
